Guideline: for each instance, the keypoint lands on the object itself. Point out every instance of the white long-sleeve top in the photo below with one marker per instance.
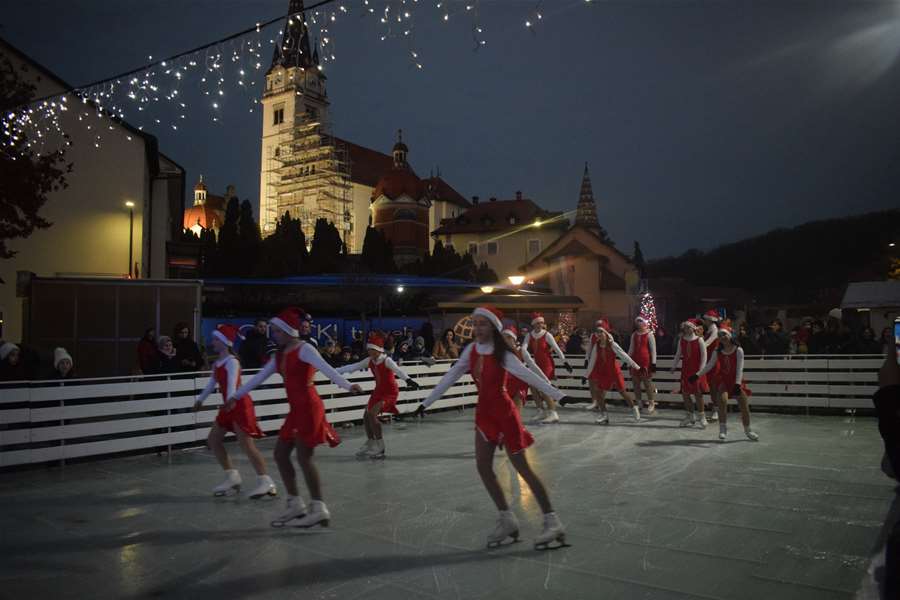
(364, 365)
(689, 338)
(308, 354)
(551, 341)
(511, 363)
(712, 335)
(592, 354)
(233, 368)
(651, 343)
(738, 363)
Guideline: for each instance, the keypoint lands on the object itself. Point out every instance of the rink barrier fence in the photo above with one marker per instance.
(48, 421)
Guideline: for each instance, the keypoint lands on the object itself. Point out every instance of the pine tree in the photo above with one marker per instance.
(249, 240)
(325, 253)
(229, 253)
(638, 260)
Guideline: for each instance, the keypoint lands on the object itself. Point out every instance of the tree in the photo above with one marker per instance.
(249, 240)
(639, 261)
(27, 176)
(377, 252)
(327, 246)
(485, 274)
(209, 254)
(283, 253)
(229, 249)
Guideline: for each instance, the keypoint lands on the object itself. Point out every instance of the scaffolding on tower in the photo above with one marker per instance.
(310, 178)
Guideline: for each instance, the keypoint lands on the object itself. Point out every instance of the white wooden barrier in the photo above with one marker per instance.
(58, 420)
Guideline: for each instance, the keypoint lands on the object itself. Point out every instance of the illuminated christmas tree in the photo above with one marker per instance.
(648, 311)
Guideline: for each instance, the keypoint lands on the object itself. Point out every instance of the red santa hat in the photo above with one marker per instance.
(376, 342)
(535, 317)
(726, 331)
(712, 315)
(511, 331)
(695, 323)
(289, 319)
(641, 321)
(227, 334)
(603, 324)
(492, 314)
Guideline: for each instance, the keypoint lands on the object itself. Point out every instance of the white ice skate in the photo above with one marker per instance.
(651, 408)
(723, 432)
(376, 450)
(603, 419)
(230, 486)
(318, 515)
(703, 421)
(553, 535)
(507, 527)
(636, 411)
(687, 421)
(551, 417)
(264, 487)
(751, 435)
(595, 406)
(294, 509)
(365, 449)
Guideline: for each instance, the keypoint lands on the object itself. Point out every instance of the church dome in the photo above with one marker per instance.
(399, 181)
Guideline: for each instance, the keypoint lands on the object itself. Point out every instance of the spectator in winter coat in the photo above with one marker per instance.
(167, 359)
(189, 356)
(63, 365)
(255, 349)
(12, 363)
(775, 342)
(402, 352)
(446, 347)
(746, 341)
(147, 352)
(575, 345)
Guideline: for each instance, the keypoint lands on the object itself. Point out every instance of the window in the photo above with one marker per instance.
(278, 115)
(493, 247)
(534, 247)
(473, 248)
(404, 214)
(277, 151)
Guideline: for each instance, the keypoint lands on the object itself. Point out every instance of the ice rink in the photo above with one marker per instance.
(652, 511)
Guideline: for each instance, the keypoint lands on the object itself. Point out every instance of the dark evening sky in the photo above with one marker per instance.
(702, 122)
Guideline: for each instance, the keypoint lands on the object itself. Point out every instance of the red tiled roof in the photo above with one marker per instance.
(399, 182)
(216, 202)
(495, 216)
(442, 190)
(366, 165)
(204, 215)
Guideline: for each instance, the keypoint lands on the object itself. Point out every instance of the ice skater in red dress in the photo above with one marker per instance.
(692, 354)
(236, 416)
(730, 382)
(305, 426)
(642, 350)
(518, 389)
(711, 322)
(490, 360)
(604, 373)
(384, 396)
(540, 344)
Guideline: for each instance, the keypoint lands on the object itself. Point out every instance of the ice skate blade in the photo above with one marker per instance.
(379, 456)
(559, 542)
(279, 524)
(272, 493)
(229, 492)
(323, 523)
(505, 542)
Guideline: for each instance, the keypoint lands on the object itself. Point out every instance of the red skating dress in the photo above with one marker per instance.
(640, 353)
(690, 365)
(541, 352)
(386, 388)
(713, 376)
(496, 417)
(515, 386)
(606, 372)
(306, 420)
(728, 368)
(242, 415)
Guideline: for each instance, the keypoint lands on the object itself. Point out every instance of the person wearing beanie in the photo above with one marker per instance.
(730, 382)
(540, 344)
(235, 415)
(63, 365)
(12, 367)
(384, 397)
(604, 373)
(642, 349)
(305, 426)
(692, 354)
(497, 422)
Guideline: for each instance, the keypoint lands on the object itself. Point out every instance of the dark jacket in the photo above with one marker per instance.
(189, 357)
(254, 350)
(169, 364)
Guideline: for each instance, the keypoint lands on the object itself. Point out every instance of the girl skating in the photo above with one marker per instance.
(235, 415)
(642, 350)
(604, 374)
(730, 382)
(692, 354)
(305, 426)
(384, 396)
(540, 344)
(497, 422)
(518, 389)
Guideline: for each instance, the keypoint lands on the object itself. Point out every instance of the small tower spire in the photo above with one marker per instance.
(586, 214)
(400, 151)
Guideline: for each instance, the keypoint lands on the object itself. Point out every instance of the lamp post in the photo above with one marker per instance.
(516, 280)
(130, 206)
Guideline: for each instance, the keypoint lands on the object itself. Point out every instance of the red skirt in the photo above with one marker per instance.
(607, 380)
(722, 387)
(242, 417)
(515, 387)
(306, 422)
(641, 374)
(389, 399)
(504, 430)
(701, 386)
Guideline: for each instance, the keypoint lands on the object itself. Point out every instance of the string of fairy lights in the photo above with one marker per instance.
(225, 68)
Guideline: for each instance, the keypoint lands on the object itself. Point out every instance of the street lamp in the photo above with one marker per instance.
(516, 279)
(486, 289)
(130, 206)
(399, 289)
